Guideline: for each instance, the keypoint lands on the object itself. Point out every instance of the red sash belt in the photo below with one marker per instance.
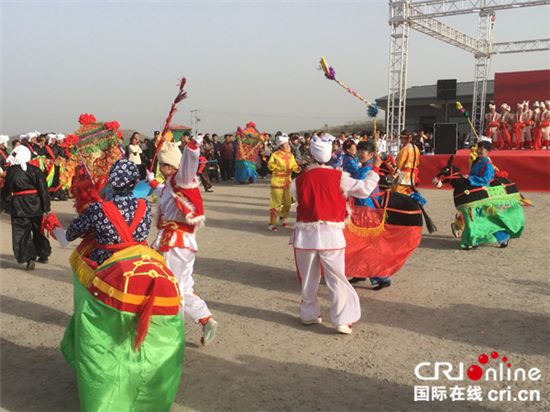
(174, 225)
(520, 125)
(529, 123)
(544, 124)
(25, 192)
(494, 124)
(281, 174)
(120, 246)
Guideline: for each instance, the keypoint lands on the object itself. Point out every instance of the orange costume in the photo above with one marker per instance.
(282, 164)
(407, 163)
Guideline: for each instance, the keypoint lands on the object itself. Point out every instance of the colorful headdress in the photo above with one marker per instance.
(97, 146)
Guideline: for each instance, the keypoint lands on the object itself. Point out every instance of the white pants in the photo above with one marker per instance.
(181, 261)
(345, 308)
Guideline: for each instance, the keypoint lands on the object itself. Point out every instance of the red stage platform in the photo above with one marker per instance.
(529, 169)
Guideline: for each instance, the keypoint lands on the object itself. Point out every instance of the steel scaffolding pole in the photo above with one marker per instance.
(444, 8)
(484, 34)
(397, 87)
(521, 46)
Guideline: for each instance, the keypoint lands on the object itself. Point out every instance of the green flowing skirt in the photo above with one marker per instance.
(112, 376)
(483, 220)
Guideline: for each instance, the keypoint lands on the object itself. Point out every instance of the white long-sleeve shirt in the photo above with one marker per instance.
(329, 237)
(186, 177)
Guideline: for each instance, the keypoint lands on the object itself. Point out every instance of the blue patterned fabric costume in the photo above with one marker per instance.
(360, 175)
(94, 220)
(482, 173)
(350, 165)
(336, 160)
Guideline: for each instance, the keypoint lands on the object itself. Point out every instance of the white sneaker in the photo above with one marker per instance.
(209, 331)
(345, 329)
(312, 322)
(273, 228)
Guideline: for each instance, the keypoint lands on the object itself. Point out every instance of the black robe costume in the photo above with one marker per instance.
(29, 201)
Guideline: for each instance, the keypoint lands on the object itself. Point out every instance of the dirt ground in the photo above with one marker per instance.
(445, 305)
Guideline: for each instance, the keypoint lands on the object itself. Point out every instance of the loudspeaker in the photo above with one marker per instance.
(446, 89)
(445, 138)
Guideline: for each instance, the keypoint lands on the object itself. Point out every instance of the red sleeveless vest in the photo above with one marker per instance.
(320, 196)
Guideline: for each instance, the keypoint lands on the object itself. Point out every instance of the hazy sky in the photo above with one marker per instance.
(244, 61)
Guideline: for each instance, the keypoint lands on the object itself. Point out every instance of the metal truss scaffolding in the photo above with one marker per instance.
(420, 16)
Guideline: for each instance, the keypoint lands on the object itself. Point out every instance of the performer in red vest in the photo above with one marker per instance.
(180, 215)
(318, 237)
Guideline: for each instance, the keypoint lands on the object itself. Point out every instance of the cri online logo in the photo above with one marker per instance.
(475, 372)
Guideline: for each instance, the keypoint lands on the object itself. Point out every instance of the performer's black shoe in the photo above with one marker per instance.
(43, 260)
(469, 247)
(382, 284)
(30, 265)
(356, 280)
(504, 244)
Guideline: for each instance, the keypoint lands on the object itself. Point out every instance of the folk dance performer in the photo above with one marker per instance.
(518, 128)
(407, 163)
(180, 215)
(109, 221)
(536, 133)
(545, 125)
(526, 119)
(4, 139)
(30, 200)
(282, 164)
(492, 120)
(504, 122)
(318, 237)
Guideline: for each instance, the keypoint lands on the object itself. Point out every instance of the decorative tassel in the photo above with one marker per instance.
(145, 313)
(181, 95)
(372, 110)
(367, 231)
(49, 223)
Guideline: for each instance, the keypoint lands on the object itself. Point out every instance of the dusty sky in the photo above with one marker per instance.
(244, 61)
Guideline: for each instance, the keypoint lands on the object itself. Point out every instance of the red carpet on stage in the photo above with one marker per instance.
(529, 169)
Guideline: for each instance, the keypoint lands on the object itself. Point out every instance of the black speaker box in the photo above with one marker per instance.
(446, 89)
(445, 138)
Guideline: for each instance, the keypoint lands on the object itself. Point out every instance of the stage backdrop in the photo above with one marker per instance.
(515, 87)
